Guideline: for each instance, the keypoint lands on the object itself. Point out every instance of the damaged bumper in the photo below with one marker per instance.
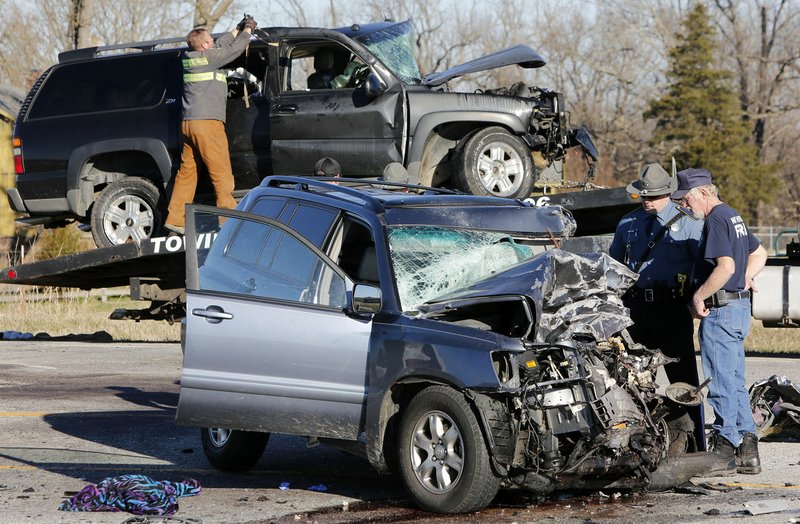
(584, 411)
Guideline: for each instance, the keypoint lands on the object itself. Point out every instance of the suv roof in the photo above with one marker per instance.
(421, 204)
(162, 44)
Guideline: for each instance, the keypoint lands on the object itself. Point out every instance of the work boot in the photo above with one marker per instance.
(747, 460)
(724, 464)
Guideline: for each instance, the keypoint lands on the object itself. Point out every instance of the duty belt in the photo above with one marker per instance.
(654, 294)
(722, 297)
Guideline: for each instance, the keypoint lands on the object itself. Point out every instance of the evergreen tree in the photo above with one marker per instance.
(699, 121)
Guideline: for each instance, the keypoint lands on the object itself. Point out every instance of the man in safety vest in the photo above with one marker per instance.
(205, 92)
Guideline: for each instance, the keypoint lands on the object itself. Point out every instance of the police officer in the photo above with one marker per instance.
(660, 242)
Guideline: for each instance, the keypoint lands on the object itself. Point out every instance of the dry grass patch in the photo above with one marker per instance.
(772, 340)
(47, 312)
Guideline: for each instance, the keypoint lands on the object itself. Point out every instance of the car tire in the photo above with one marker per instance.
(231, 449)
(128, 210)
(491, 161)
(442, 457)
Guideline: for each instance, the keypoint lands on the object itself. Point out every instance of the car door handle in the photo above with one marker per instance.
(215, 314)
(285, 109)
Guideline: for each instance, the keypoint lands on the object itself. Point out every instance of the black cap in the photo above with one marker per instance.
(326, 166)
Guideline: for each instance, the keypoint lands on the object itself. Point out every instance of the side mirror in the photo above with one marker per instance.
(366, 299)
(374, 86)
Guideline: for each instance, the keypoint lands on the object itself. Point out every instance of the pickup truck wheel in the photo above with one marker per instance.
(127, 210)
(443, 460)
(233, 450)
(492, 161)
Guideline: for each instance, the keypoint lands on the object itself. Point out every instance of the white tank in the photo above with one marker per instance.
(778, 297)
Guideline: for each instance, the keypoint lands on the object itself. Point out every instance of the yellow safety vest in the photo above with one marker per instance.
(200, 77)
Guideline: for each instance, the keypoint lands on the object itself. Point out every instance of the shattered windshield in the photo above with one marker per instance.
(393, 46)
(433, 261)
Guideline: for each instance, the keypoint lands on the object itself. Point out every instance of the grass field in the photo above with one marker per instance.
(45, 313)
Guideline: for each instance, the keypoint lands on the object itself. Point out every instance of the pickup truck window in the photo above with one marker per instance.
(104, 85)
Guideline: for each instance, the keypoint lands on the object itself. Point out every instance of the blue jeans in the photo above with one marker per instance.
(722, 334)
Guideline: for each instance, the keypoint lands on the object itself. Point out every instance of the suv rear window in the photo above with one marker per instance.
(104, 85)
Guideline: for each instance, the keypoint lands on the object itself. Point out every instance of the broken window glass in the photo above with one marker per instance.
(393, 47)
(432, 261)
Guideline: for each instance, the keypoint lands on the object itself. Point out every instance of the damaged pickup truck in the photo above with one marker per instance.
(298, 94)
(442, 335)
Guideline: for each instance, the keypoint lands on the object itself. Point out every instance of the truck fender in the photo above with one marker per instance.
(423, 164)
(80, 191)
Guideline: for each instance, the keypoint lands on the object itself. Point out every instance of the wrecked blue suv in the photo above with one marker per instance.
(445, 335)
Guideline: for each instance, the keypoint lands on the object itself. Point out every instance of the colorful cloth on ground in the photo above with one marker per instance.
(137, 494)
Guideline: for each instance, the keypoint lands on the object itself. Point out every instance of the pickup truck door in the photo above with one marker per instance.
(362, 134)
(268, 345)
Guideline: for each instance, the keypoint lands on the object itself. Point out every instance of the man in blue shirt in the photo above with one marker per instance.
(729, 258)
(658, 300)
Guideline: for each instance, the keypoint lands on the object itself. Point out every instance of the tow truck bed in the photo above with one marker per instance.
(160, 258)
(597, 211)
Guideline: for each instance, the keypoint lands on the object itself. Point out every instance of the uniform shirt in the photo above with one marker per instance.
(206, 99)
(673, 254)
(725, 235)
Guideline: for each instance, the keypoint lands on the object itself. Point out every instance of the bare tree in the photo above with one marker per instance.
(763, 37)
(208, 12)
(80, 16)
(143, 20)
(763, 50)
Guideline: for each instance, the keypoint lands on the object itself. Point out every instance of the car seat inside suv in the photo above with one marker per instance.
(323, 69)
(368, 267)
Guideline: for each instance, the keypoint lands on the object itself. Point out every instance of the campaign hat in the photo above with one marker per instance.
(653, 181)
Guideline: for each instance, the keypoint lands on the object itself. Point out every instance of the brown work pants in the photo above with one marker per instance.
(204, 142)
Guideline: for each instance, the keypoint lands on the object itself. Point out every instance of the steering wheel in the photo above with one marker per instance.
(360, 73)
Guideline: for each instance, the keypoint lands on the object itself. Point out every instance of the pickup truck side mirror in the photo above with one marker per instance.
(366, 299)
(374, 86)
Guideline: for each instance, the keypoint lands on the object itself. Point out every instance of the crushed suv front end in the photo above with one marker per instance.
(575, 404)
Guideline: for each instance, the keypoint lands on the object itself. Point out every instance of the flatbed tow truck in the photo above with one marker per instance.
(155, 268)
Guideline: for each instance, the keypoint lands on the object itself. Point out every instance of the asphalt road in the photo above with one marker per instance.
(74, 413)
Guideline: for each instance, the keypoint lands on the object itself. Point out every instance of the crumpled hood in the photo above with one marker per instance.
(520, 55)
(572, 294)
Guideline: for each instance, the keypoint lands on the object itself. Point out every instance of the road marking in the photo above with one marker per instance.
(22, 414)
(18, 467)
(754, 485)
